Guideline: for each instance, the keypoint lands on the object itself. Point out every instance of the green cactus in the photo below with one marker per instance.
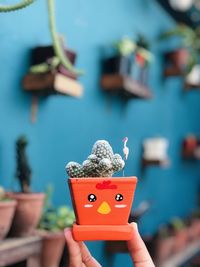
(75, 169)
(102, 149)
(23, 172)
(101, 163)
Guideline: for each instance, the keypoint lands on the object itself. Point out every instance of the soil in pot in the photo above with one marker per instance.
(28, 213)
(7, 209)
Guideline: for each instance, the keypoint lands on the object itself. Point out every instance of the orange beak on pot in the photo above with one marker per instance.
(104, 208)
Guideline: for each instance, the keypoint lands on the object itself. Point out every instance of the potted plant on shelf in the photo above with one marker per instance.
(7, 209)
(182, 61)
(29, 205)
(194, 225)
(181, 234)
(102, 204)
(126, 71)
(164, 243)
(52, 69)
(53, 221)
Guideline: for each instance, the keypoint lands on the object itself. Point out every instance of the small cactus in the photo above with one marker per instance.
(75, 169)
(23, 172)
(102, 162)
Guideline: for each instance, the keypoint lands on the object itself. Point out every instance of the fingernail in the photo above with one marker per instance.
(135, 225)
(67, 232)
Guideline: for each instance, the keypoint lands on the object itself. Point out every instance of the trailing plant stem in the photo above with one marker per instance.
(22, 4)
(58, 49)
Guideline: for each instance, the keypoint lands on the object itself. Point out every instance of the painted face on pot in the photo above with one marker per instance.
(103, 202)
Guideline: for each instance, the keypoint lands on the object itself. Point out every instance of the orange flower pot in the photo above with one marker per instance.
(102, 207)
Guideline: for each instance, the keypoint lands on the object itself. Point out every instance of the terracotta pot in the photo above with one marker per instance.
(28, 212)
(118, 65)
(52, 249)
(102, 207)
(176, 62)
(194, 229)
(181, 239)
(41, 54)
(7, 209)
(164, 248)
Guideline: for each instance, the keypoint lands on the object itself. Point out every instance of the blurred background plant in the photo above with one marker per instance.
(189, 39)
(55, 218)
(23, 172)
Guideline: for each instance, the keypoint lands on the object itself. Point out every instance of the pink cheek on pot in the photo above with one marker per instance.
(120, 206)
(88, 205)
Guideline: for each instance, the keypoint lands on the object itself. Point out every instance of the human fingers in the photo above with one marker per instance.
(75, 258)
(87, 258)
(138, 250)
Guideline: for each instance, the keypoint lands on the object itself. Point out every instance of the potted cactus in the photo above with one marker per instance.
(164, 241)
(102, 204)
(7, 209)
(51, 226)
(29, 205)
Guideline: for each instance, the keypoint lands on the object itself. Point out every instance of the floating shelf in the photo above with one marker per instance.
(161, 163)
(126, 85)
(189, 87)
(52, 83)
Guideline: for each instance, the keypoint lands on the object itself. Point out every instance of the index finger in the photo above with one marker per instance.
(75, 257)
(138, 250)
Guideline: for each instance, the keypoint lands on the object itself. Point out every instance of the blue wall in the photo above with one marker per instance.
(67, 128)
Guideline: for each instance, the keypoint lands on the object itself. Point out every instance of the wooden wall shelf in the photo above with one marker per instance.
(126, 85)
(161, 163)
(14, 250)
(52, 83)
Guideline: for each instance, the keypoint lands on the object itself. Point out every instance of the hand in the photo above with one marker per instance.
(81, 257)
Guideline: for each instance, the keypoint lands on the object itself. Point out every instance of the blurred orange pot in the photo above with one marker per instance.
(7, 209)
(102, 207)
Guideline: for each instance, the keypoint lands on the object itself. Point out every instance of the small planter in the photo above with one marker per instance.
(28, 212)
(164, 248)
(181, 239)
(41, 54)
(102, 207)
(52, 248)
(118, 65)
(176, 62)
(194, 229)
(7, 209)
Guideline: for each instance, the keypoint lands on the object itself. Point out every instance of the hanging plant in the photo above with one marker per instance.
(186, 57)
(14, 7)
(58, 49)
